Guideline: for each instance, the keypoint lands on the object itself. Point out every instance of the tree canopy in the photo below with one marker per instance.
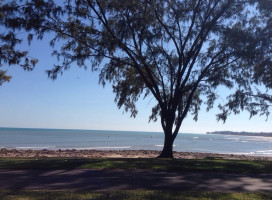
(178, 51)
(9, 55)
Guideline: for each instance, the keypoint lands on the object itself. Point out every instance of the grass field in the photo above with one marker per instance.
(181, 165)
(129, 195)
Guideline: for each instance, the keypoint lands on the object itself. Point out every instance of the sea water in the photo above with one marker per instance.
(24, 138)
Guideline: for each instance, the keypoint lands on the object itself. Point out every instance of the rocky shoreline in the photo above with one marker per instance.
(118, 154)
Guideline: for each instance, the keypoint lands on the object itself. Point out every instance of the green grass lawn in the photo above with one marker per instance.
(182, 165)
(179, 165)
(129, 195)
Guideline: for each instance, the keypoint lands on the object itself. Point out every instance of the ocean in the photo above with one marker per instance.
(54, 139)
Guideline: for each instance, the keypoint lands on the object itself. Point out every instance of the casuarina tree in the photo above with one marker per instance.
(9, 54)
(180, 52)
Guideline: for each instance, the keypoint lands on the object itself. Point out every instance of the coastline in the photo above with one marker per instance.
(73, 153)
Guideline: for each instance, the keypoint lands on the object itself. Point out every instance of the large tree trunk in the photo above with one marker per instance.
(167, 151)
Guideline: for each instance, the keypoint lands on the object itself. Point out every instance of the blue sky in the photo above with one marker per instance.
(76, 101)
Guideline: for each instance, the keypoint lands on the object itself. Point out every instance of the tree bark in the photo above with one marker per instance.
(167, 151)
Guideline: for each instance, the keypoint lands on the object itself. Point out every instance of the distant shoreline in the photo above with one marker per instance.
(243, 133)
(119, 154)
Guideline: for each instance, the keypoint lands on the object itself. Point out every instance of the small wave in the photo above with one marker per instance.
(259, 138)
(90, 148)
(242, 153)
(232, 139)
(161, 145)
(244, 141)
(195, 137)
(44, 147)
(265, 151)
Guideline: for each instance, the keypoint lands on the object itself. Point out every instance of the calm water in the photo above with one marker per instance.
(19, 138)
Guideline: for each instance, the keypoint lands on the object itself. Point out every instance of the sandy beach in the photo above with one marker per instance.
(119, 154)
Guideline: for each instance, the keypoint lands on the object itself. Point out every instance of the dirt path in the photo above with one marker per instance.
(101, 180)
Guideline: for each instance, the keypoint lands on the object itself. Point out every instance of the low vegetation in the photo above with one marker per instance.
(183, 165)
(129, 195)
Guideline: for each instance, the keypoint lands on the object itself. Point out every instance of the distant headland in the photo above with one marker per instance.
(243, 133)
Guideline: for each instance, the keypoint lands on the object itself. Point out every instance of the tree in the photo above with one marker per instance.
(8, 53)
(178, 51)
(253, 99)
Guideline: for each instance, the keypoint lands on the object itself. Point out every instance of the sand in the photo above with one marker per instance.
(118, 154)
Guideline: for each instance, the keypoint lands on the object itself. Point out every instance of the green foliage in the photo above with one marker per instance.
(127, 195)
(179, 165)
(179, 52)
(9, 55)
(4, 77)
